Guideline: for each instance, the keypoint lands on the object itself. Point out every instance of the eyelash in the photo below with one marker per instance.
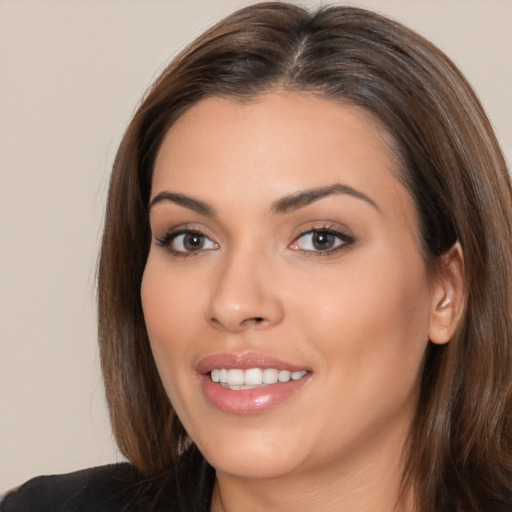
(167, 240)
(344, 241)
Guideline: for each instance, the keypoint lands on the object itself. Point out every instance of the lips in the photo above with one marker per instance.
(244, 362)
(246, 384)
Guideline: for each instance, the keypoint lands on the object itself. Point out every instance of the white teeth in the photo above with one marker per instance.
(254, 377)
(284, 376)
(270, 375)
(235, 377)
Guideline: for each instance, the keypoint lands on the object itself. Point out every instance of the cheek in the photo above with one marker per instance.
(171, 315)
(169, 299)
(167, 303)
(370, 322)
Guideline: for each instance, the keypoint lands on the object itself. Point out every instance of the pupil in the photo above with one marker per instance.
(193, 241)
(323, 240)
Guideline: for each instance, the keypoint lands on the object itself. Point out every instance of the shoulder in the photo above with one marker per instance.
(118, 487)
(106, 488)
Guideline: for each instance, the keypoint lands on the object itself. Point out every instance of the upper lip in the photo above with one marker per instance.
(244, 361)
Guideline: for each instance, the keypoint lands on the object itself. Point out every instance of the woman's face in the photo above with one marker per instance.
(284, 248)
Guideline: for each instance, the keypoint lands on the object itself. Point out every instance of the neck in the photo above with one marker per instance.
(373, 484)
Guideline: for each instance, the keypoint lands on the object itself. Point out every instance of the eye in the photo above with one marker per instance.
(185, 242)
(321, 241)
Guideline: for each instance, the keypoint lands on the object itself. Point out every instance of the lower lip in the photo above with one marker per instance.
(250, 401)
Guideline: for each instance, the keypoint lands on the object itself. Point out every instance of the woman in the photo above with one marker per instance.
(304, 289)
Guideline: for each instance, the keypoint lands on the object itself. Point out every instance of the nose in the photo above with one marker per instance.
(244, 295)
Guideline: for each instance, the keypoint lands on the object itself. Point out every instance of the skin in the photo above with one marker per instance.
(358, 318)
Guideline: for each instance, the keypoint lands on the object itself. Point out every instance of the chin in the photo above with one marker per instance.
(252, 467)
(253, 455)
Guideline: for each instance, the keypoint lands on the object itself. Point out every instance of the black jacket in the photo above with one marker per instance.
(118, 488)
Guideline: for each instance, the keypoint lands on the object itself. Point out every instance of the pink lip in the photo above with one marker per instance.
(248, 401)
(244, 362)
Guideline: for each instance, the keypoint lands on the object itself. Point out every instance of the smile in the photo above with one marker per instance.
(249, 383)
(238, 379)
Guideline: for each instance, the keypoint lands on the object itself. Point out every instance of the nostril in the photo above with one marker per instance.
(255, 320)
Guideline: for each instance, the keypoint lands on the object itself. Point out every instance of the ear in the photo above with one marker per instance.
(448, 299)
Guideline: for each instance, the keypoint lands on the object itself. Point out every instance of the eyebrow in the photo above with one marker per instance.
(284, 205)
(187, 202)
(304, 198)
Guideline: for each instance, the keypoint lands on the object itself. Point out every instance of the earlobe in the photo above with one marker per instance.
(448, 299)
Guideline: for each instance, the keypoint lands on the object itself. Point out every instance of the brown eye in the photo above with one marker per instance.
(186, 242)
(321, 241)
(192, 241)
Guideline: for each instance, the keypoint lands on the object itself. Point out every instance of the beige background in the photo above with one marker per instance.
(71, 73)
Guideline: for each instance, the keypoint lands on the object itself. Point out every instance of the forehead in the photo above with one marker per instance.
(277, 144)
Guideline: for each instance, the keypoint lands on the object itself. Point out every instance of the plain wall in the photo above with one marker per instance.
(71, 74)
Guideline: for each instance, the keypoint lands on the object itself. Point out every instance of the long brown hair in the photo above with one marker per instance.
(459, 453)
